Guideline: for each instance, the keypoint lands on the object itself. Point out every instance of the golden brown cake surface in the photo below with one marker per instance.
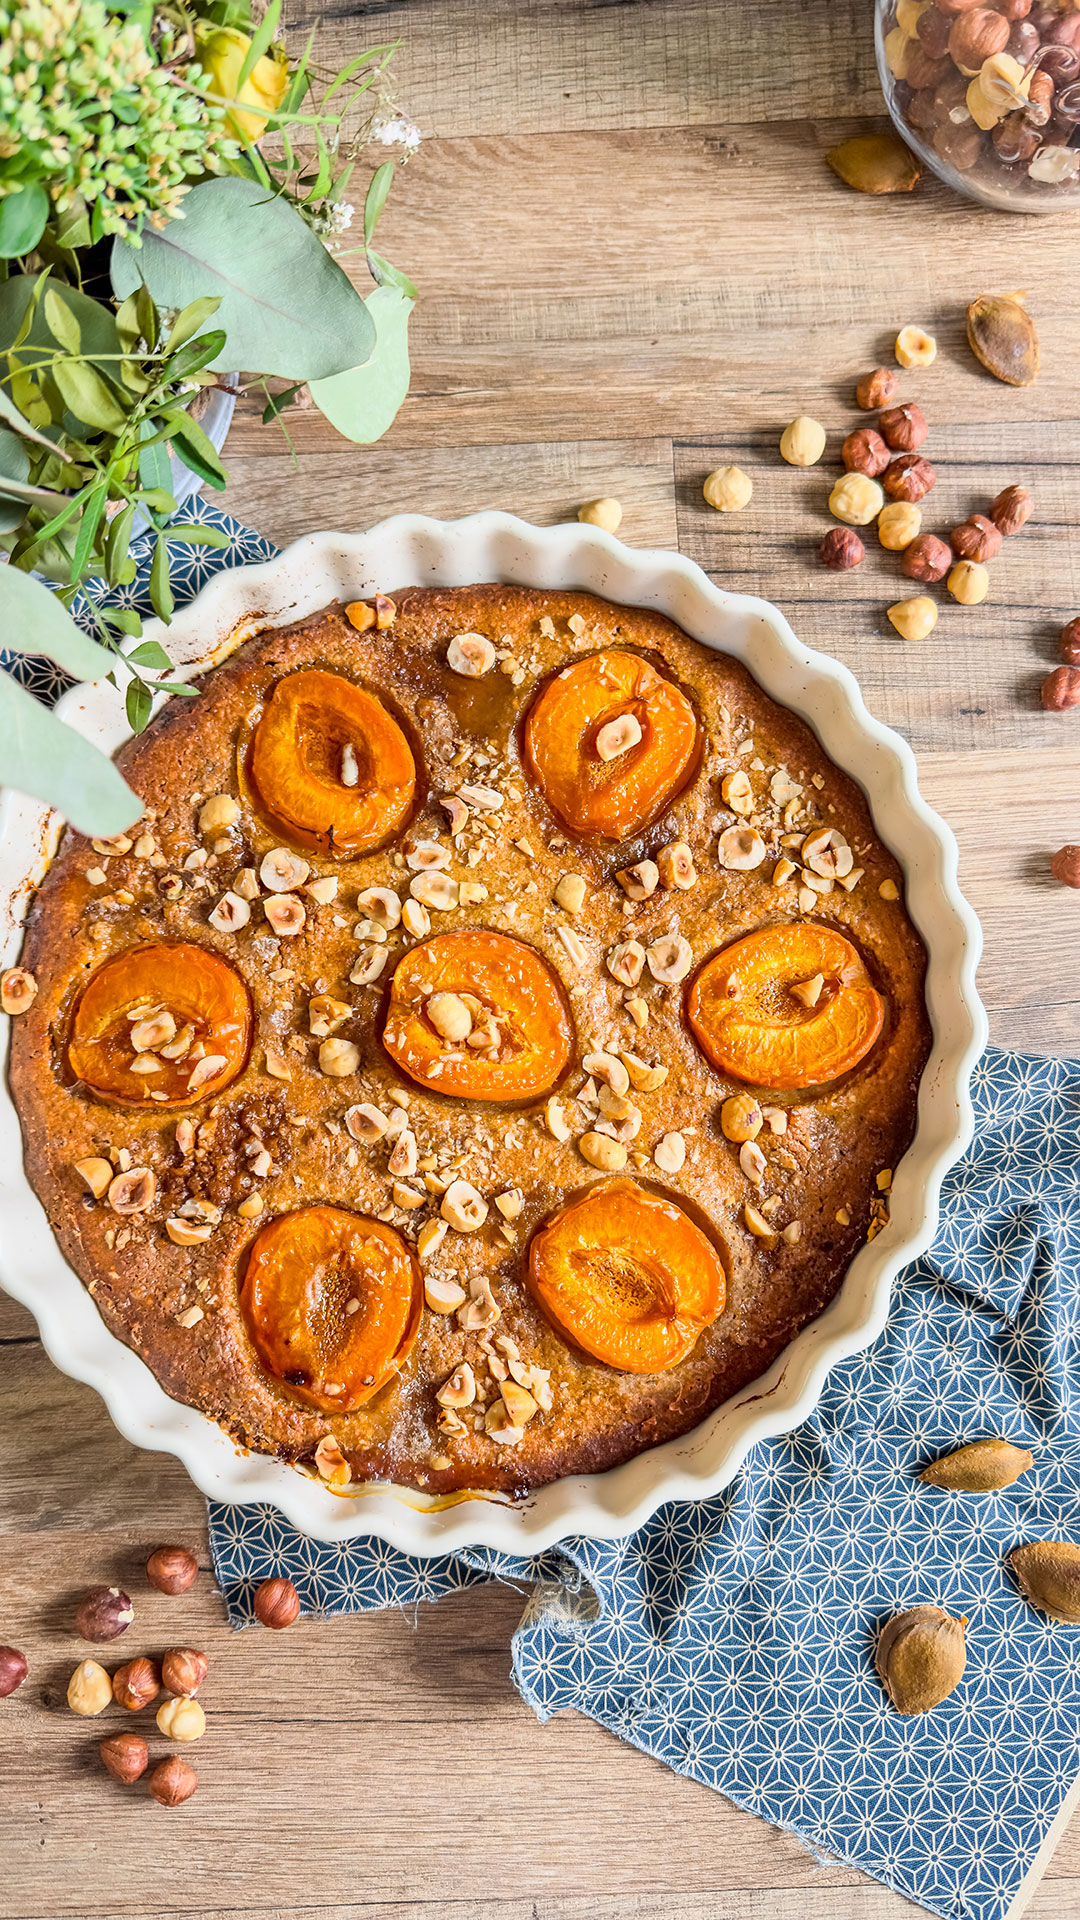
(286, 1122)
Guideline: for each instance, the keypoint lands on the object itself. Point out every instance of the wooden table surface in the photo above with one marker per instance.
(634, 267)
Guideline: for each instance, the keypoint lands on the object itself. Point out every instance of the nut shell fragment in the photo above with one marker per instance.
(1003, 337)
(921, 1658)
(985, 1466)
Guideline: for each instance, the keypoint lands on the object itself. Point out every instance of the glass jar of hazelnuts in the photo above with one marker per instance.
(988, 95)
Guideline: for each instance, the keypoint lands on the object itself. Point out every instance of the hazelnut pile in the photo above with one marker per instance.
(993, 90)
(886, 478)
(102, 1615)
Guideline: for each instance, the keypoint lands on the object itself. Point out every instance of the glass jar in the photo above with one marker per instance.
(988, 95)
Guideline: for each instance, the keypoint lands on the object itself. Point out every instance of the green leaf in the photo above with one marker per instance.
(87, 396)
(20, 305)
(10, 412)
(61, 322)
(187, 323)
(14, 465)
(72, 227)
(155, 473)
(138, 702)
(127, 321)
(148, 317)
(388, 276)
(286, 307)
(124, 619)
(375, 198)
(149, 654)
(260, 40)
(278, 402)
(33, 620)
(41, 756)
(23, 215)
(161, 593)
(87, 534)
(362, 403)
(195, 355)
(117, 541)
(197, 450)
(197, 536)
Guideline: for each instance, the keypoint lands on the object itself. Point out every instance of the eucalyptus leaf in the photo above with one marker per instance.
(41, 756)
(286, 307)
(23, 215)
(14, 465)
(33, 620)
(362, 403)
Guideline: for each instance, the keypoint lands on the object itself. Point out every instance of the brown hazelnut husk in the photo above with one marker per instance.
(103, 1613)
(1011, 509)
(1061, 689)
(13, 1670)
(903, 428)
(136, 1683)
(841, 550)
(1065, 866)
(125, 1755)
(172, 1782)
(909, 478)
(1069, 644)
(875, 389)
(183, 1670)
(976, 539)
(975, 36)
(927, 558)
(864, 451)
(276, 1604)
(172, 1569)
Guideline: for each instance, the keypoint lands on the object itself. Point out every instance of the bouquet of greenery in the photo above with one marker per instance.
(172, 186)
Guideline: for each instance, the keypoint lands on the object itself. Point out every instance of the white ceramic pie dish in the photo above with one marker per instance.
(414, 550)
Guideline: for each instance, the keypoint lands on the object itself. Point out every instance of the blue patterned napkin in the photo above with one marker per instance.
(733, 1639)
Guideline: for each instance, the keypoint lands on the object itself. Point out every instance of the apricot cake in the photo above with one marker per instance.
(489, 1050)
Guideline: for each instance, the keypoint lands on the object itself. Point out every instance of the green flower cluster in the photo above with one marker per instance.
(87, 108)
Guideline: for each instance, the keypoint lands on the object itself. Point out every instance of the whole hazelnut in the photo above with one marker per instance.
(925, 70)
(841, 550)
(172, 1782)
(927, 558)
(909, 478)
(1011, 509)
(864, 451)
(1065, 866)
(103, 1613)
(1023, 42)
(1040, 100)
(803, 442)
(276, 1603)
(124, 1755)
(914, 619)
(13, 1670)
(181, 1719)
(1061, 689)
(183, 1670)
(903, 428)
(89, 1690)
(958, 143)
(1070, 647)
(1014, 141)
(875, 389)
(898, 525)
(975, 36)
(969, 583)
(136, 1683)
(932, 30)
(605, 513)
(856, 499)
(728, 489)
(172, 1569)
(976, 539)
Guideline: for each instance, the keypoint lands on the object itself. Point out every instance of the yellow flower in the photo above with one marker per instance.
(222, 51)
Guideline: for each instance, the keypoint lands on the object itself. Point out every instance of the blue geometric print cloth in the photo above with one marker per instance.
(734, 1638)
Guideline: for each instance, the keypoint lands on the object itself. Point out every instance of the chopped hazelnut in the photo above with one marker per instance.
(602, 1152)
(676, 865)
(915, 347)
(435, 890)
(287, 914)
(569, 892)
(470, 655)
(617, 736)
(97, 1175)
(669, 959)
(640, 881)
(625, 962)
(221, 810)
(463, 1208)
(281, 870)
(380, 904)
(338, 1058)
(18, 990)
(231, 913)
(736, 792)
(741, 849)
(670, 1151)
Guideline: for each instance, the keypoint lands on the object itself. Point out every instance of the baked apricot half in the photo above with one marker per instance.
(788, 1006)
(479, 1016)
(609, 742)
(330, 765)
(165, 1025)
(331, 1301)
(626, 1275)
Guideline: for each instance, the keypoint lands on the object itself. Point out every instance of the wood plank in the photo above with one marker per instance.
(351, 488)
(541, 66)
